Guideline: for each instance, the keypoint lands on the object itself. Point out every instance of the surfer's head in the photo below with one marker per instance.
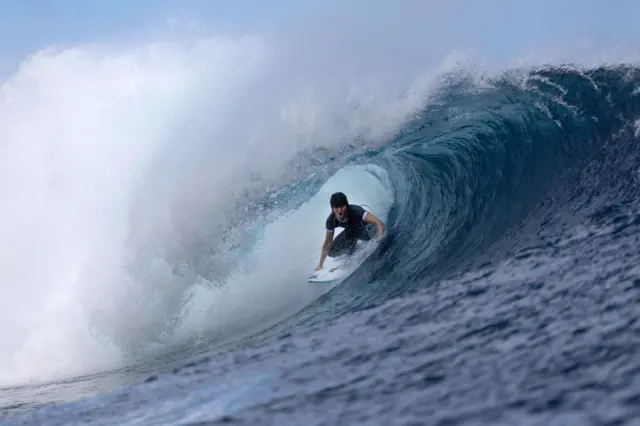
(339, 204)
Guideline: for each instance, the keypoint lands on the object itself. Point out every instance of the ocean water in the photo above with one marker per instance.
(156, 247)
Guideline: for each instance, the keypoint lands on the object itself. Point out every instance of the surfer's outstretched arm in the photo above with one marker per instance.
(326, 245)
(370, 218)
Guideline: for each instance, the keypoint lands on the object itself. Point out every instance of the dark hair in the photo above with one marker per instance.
(338, 199)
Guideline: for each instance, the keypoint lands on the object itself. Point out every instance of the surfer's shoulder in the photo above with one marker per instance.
(330, 223)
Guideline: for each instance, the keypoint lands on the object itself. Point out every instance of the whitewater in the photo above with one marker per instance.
(164, 203)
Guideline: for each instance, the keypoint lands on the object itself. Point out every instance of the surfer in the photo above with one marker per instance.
(359, 224)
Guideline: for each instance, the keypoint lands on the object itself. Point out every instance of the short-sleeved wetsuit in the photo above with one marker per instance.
(355, 228)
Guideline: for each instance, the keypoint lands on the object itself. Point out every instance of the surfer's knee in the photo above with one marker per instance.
(369, 231)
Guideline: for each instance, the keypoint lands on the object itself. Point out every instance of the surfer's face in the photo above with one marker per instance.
(340, 212)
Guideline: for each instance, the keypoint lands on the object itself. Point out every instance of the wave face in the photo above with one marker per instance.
(512, 211)
(511, 205)
(492, 164)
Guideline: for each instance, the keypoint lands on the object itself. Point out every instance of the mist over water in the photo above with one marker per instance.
(122, 168)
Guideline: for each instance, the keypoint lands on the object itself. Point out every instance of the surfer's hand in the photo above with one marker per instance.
(318, 267)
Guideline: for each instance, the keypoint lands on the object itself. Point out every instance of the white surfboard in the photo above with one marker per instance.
(338, 269)
(329, 274)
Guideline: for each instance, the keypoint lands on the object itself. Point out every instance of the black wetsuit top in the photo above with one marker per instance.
(353, 223)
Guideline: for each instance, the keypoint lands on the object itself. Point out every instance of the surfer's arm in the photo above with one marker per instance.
(372, 219)
(328, 239)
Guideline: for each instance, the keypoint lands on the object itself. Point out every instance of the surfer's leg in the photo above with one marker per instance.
(369, 231)
(342, 244)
